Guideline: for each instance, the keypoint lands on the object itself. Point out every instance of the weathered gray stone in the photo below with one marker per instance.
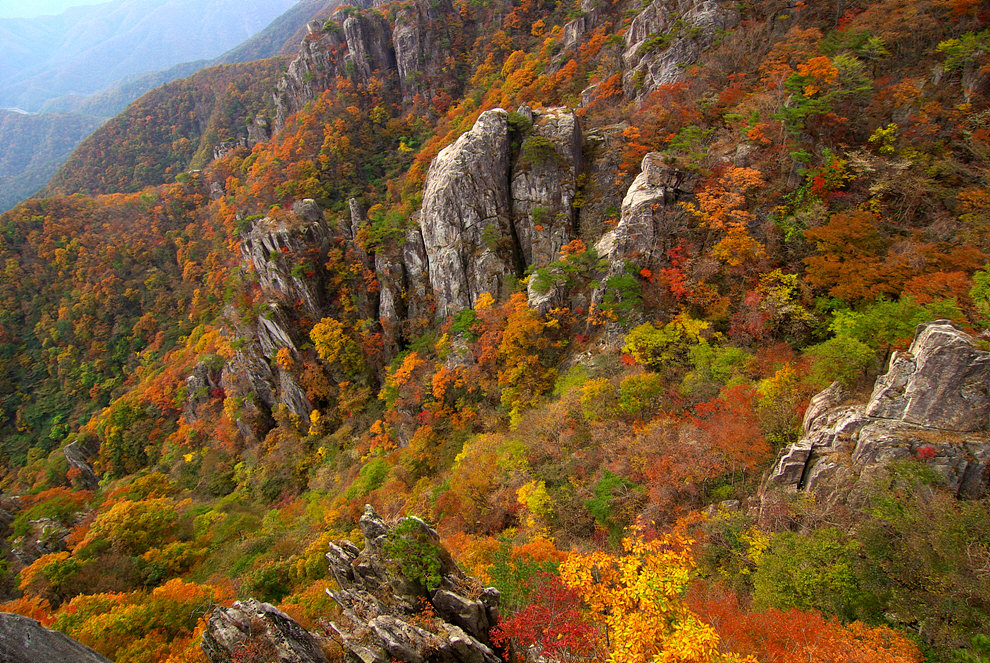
(24, 640)
(543, 190)
(931, 405)
(465, 216)
(373, 584)
(269, 631)
(689, 28)
(651, 223)
(941, 381)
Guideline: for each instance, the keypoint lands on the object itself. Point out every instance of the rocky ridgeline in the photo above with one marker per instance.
(933, 404)
(407, 57)
(401, 598)
(497, 202)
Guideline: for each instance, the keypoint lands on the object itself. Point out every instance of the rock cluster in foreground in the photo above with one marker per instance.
(24, 640)
(401, 598)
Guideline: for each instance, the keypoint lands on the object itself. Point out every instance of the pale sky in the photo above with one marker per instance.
(31, 8)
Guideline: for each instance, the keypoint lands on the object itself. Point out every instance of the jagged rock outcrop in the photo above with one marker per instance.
(544, 183)
(488, 213)
(668, 35)
(78, 454)
(465, 218)
(402, 598)
(422, 29)
(287, 256)
(312, 70)
(933, 404)
(24, 640)
(261, 629)
(651, 222)
(383, 587)
(249, 374)
(46, 536)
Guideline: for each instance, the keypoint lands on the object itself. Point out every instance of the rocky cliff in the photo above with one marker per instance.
(932, 405)
(401, 598)
(410, 56)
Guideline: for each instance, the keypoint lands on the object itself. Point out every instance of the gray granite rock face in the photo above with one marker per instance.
(651, 221)
(543, 188)
(23, 640)
(931, 405)
(465, 218)
(668, 35)
(942, 381)
(382, 596)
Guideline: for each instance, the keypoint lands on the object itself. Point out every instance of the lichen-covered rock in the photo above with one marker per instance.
(46, 536)
(465, 217)
(421, 30)
(386, 587)
(943, 381)
(651, 222)
(668, 35)
(931, 405)
(544, 183)
(24, 640)
(261, 629)
(288, 256)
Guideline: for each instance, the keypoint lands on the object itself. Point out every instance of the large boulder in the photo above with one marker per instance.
(932, 405)
(24, 640)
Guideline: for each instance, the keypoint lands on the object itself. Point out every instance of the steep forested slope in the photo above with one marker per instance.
(172, 129)
(561, 279)
(32, 147)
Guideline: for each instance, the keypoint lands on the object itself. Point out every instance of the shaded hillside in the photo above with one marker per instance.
(562, 279)
(172, 129)
(32, 147)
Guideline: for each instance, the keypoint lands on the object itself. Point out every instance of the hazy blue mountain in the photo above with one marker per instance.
(32, 147)
(86, 49)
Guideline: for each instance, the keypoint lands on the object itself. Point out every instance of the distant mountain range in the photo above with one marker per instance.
(45, 53)
(87, 49)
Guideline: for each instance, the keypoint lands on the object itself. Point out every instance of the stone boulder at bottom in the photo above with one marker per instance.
(24, 640)
(933, 405)
(262, 630)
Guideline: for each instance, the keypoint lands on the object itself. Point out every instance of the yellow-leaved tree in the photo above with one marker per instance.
(638, 597)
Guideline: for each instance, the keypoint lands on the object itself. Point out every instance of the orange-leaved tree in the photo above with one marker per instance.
(638, 597)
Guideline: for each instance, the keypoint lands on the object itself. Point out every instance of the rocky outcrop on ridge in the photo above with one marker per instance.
(465, 217)
(933, 405)
(401, 598)
(666, 37)
(24, 640)
(410, 57)
(488, 214)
